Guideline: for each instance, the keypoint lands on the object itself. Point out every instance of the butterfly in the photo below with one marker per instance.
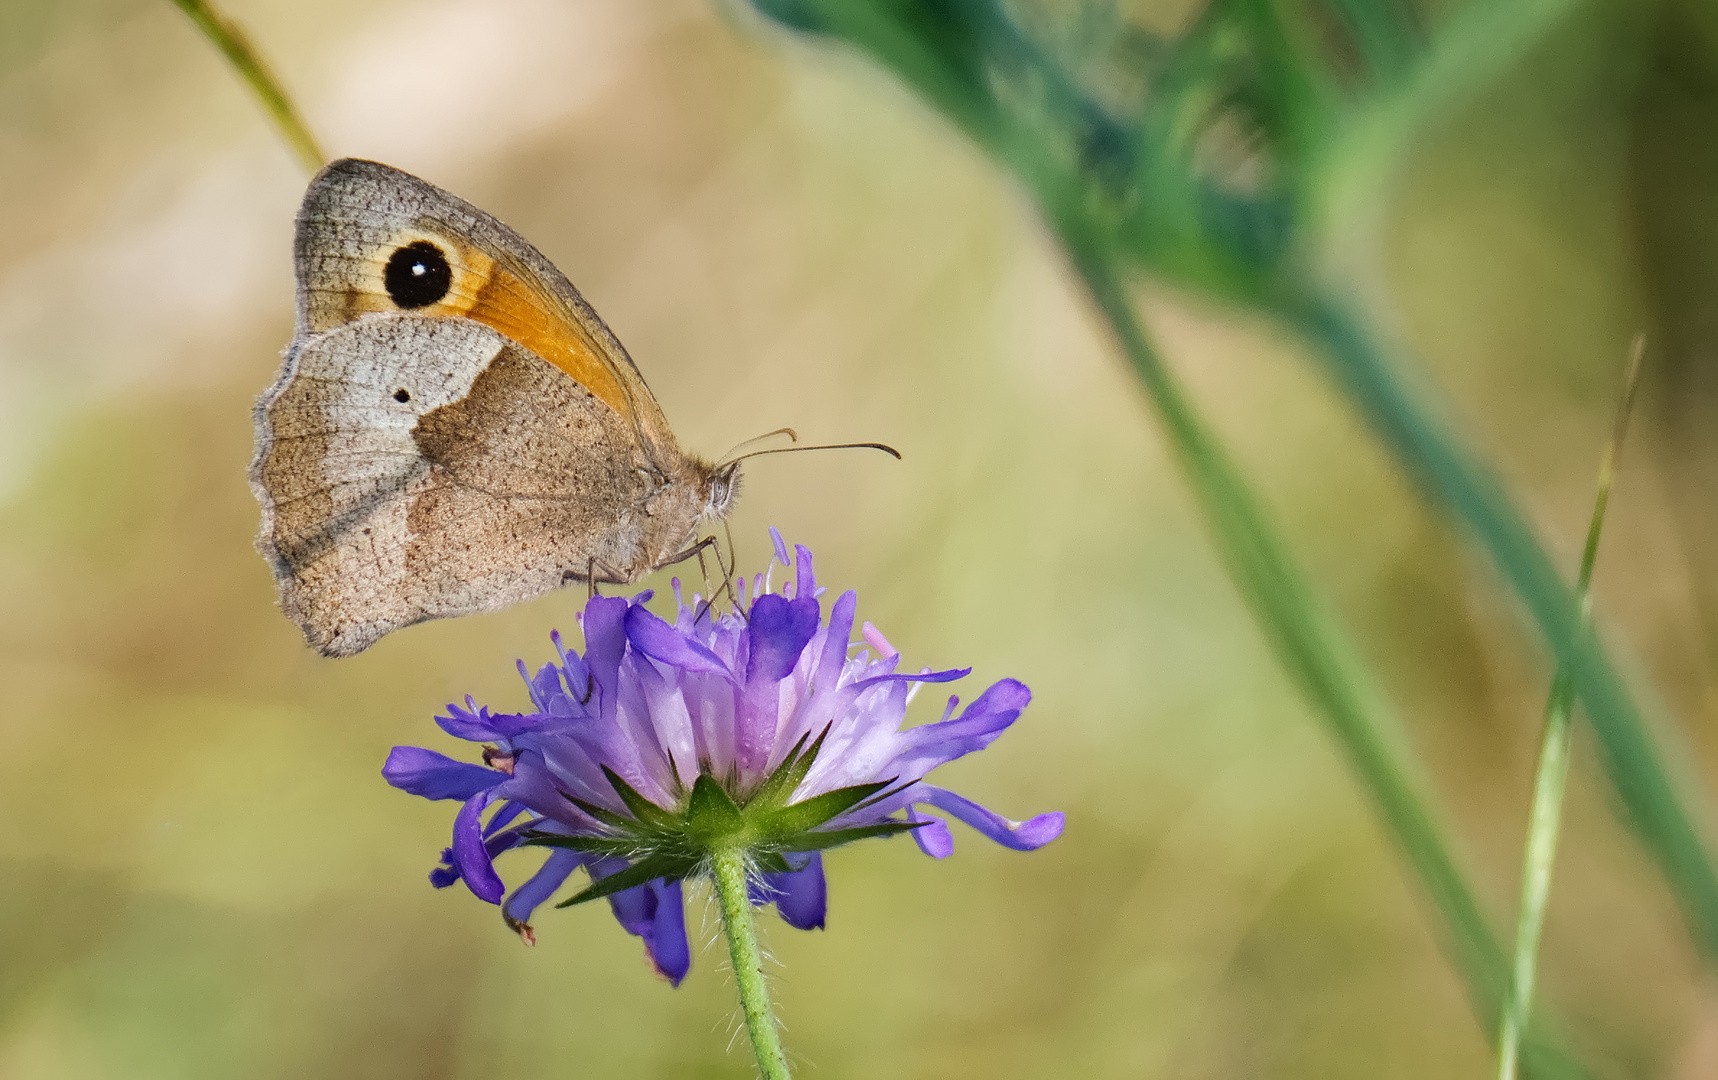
(453, 429)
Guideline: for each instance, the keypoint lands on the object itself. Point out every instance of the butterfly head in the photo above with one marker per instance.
(722, 485)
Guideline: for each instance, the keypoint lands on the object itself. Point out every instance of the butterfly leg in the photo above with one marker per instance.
(727, 570)
(593, 567)
(697, 550)
(733, 564)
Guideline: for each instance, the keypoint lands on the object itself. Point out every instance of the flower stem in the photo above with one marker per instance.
(1545, 818)
(728, 867)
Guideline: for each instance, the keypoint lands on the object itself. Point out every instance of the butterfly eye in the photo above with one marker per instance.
(417, 275)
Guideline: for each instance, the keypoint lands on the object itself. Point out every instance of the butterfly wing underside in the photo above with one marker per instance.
(453, 429)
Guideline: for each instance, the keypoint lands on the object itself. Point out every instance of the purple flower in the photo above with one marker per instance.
(763, 730)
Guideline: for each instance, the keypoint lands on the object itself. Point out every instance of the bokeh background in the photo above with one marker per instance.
(203, 875)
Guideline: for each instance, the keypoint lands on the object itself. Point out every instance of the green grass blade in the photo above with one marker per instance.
(1467, 487)
(231, 41)
(915, 39)
(1306, 639)
(1551, 775)
(1352, 198)
(1315, 652)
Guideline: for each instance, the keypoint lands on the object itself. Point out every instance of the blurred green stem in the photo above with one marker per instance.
(1306, 638)
(1439, 462)
(728, 868)
(1546, 815)
(228, 38)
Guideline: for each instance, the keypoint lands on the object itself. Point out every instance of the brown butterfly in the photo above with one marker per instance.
(453, 429)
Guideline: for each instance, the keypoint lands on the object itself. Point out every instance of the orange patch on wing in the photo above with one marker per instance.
(488, 292)
(507, 305)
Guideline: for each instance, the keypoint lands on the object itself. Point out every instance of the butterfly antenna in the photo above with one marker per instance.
(885, 447)
(792, 436)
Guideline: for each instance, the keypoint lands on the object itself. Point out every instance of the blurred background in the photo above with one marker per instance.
(203, 875)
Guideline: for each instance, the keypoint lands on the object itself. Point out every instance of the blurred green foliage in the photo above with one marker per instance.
(1311, 93)
(205, 877)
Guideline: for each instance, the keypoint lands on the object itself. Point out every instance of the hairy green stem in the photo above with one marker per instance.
(1545, 818)
(728, 868)
(227, 37)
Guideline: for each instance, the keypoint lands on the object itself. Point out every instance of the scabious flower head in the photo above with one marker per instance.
(759, 729)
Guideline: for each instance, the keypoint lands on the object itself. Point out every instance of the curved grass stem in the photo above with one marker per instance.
(231, 41)
(1545, 818)
(1458, 480)
(1306, 638)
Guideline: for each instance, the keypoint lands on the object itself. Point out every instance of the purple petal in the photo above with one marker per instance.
(669, 950)
(484, 726)
(537, 697)
(495, 841)
(470, 856)
(533, 786)
(834, 656)
(931, 745)
(655, 912)
(1028, 835)
(547, 691)
(436, 776)
(806, 585)
(526, 898)
(605, 644)
(927, 676)
(444, 875)
(578, 676)
(660, 641)
(500, 819)
(634, 908)
(1006, 696)
(933, 838)
(802, 896)
(779, 631)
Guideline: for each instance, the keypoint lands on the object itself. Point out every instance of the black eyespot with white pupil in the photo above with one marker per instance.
(417, 275)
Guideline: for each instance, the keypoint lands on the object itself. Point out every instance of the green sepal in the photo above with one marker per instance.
(591, 845)
(603, 814)
(817, 841)
(711, 814)
(648, 813)
(788, 775)
(890, 788)
(810, 813)
(662, 865)
(771, 862)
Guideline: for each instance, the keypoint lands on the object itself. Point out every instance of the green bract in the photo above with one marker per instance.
(675, 843)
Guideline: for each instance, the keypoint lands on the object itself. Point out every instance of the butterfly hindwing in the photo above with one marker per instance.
(394, 492)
